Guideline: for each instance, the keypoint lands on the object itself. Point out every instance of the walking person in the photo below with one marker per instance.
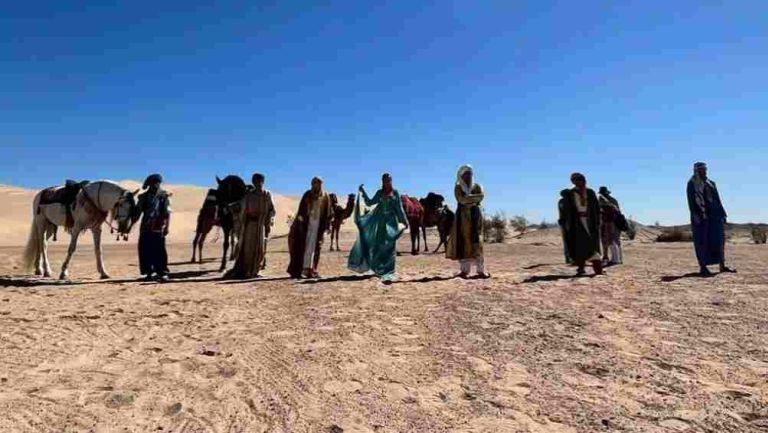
(305, 238)
(465, 243)
(610, 234)
(155, 206)
(257, 216)
(376, 245)
(708, 218)
(581, 216)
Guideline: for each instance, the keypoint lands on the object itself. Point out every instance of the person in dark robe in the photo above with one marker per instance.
(561, 222)
(305, 238)
(155, 206)
(610, 235)
(708, 218)
(581, 222)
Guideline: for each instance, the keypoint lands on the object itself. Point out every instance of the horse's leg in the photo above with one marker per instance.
(48, 231)
(72, 247)
(40, 238)
(224, 256)
(96, 232)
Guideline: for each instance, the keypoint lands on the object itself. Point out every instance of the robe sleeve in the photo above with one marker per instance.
(719, 202)
(399, 209)
(468, 200)
(372, 201)
(692, 206)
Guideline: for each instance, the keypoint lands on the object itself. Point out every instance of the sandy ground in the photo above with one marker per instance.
(646, 348)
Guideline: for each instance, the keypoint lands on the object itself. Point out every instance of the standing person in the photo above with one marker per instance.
(465, 243)
(582, 224)
(610, 235)
(708, 219)
(257, 215)
(155, 205)
(376, 245)
(305, 238)
(561, 222)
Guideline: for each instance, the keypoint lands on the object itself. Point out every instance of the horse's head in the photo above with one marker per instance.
(126, 212)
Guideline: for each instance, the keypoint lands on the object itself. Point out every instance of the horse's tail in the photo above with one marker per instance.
(32, 251)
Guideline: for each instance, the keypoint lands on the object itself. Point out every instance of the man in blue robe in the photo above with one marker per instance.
(708, 219)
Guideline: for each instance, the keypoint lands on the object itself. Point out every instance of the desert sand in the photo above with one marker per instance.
(646, 348)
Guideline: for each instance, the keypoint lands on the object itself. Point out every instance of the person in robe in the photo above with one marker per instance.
(581, 221)
(305, 238)
(561, 222)
(155, 207)
(257, 216)
(465, 243)
(610, 235)
(708, 218)
(379, 230)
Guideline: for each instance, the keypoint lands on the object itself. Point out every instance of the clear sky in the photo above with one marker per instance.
(630, 93)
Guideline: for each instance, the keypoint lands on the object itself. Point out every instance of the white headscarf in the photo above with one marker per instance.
(459, 181)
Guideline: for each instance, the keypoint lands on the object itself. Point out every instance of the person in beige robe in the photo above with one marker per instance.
(465, 243)
(257, 215)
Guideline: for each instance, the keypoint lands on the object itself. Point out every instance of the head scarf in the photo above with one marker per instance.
(315, 194)
(702, 194)
(152, 178)
(257, 177)
(466, 168)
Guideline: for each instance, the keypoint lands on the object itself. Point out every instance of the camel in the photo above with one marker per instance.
(93, 203)
(229, 193)
(436, 214)
(206, 220)
(339, 214)
(414, 212)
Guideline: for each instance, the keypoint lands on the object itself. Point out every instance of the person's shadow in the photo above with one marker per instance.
(671, 278)
(540, 278)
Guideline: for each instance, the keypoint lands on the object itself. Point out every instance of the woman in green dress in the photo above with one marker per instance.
(379, 229)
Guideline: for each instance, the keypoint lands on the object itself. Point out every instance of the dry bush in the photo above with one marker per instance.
(495, 228)
(675, 235)
(519, 223)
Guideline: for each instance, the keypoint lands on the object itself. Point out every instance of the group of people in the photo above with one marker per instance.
(380, 221)
(588, 222)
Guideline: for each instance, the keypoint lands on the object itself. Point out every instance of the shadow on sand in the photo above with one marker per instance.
(339, 278)
(539, 265)
(35, 282)
(538, 278)
(671, 278)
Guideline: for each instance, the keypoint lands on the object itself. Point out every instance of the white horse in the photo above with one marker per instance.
(93, 204)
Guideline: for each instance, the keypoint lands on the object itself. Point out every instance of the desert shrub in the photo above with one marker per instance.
(674, 235)
(495, 228)
(519, 223)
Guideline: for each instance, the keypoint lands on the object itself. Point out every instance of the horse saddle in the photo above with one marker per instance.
(62, 195)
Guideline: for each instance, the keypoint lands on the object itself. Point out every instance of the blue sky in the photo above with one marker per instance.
(630, 93)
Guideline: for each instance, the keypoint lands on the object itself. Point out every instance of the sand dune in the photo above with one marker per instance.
(16, 213)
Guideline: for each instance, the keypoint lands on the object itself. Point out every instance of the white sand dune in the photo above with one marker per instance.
(16, 213)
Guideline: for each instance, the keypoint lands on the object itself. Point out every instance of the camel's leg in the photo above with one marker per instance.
(97, 251)
(233, 251)
(414, 240)
(338, 232)
(440, 244)
(194, 246)
(72, 247)
(200, 244)
(224, 256)
(424, 232)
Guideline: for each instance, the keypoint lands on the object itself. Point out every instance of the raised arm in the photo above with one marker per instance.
(372, 201)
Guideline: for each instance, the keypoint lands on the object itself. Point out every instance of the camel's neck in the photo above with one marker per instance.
(349, 209)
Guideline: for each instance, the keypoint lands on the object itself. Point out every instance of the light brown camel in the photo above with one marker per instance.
(339, 214)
